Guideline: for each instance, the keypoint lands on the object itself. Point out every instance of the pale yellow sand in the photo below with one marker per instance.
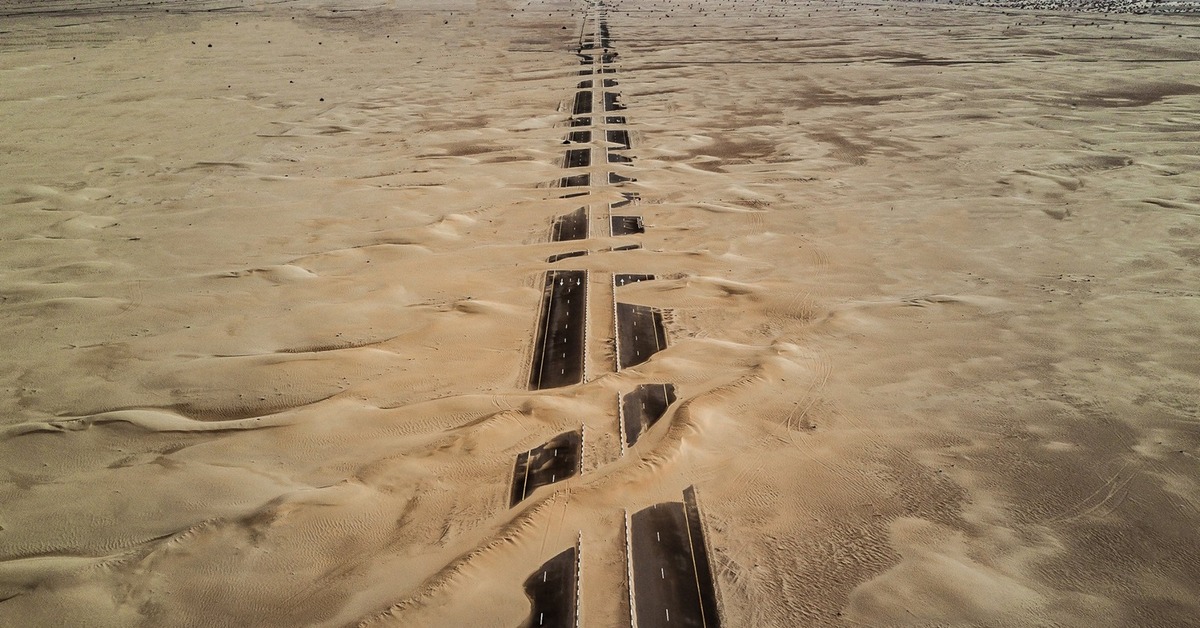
(934, 327)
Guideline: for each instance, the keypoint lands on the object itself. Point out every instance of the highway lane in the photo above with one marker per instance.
(704, 575)
(643, 407)
(557, 460)
(618, 136)
(627, 225)
(624, 279)
(667, 587)
(552, 592)
(558, 348)
(626, 199)
(611, 102)
(640, 334)
(583, 103)
(572, 226)
(557, 257)
(576, 181)
(578, 158)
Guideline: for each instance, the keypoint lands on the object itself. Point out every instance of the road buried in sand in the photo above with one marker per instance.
(672, 580)
(544, 465)
(558, 351)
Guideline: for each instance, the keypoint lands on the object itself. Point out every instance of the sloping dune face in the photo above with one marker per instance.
(912, 292)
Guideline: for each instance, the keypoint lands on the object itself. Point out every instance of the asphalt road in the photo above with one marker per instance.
(640, 334)
(643, 407)
(618, 136)
(624, 279)
(551, 590)
(667, 587)
(610, 101)
(578, 158)
(553, 462)
(562, 256)
(572, 226)
(558, 350)
(704, 574)
(576, 181)
(627, 225)
(627, 198)
(583, 103)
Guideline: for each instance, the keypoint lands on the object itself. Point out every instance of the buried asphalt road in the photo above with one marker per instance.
(643, 407)
(552, 592)
(558, 350)
(672, 581)
(572, 226)
(555, 461)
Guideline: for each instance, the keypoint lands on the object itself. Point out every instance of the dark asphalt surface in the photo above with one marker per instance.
(610, 101)
(576, 181)
(627, 225)
(578, 158)
(584, 121)
(640, 334)
(704, 574)
(553, 462)
(583, 103)
(572, 226)
(614, 158)
(562, 256)
(580, 137)
(614, 119)
(643, 407)
(618, 136)
(624, 279)
(558, 350)
(628, 198)
(627, 247)
(667, 589)
(616, 178)
(552, 592)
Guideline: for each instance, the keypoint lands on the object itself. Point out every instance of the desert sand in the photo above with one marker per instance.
(270, 275)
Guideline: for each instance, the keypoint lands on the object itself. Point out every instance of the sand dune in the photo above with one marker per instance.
(271, 273)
